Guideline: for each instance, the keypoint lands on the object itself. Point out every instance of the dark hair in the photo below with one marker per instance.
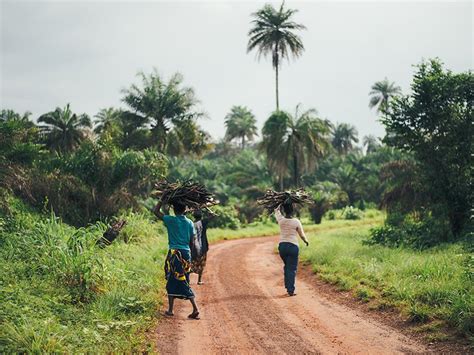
(288, 209)
(178, 208)
(197, 214)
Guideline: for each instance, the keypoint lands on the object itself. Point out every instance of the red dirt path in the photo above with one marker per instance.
(245, 310)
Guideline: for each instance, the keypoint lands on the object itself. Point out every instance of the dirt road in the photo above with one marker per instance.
(245, 310)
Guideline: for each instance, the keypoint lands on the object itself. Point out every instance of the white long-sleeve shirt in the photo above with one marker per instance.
(290, 228)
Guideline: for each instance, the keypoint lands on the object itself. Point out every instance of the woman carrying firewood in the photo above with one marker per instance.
(290, 228)
(199, 244)
(288, 247)
(178, 261)
(181, 195)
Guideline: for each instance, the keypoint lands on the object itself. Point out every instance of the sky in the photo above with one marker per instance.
(84, 53)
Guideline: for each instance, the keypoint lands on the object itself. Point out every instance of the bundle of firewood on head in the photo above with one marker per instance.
(272, 199)
(188, 193)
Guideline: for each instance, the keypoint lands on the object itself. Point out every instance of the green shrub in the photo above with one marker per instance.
(331, 215)
(403, 230)
(352, 213)
(227, 217)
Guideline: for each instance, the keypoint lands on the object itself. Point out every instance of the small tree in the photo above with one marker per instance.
(344, 136)
(294, 142)
(63, 129)
(381, 94)
(160, 104)
(240, 123)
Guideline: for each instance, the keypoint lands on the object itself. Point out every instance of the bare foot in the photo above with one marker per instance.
(194, 315)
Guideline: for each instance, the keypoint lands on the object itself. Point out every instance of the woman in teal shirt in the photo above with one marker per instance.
(178, 261)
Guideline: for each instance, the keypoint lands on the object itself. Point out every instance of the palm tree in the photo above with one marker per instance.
(371, 143)
(344, 135)
(297, 141)
(160, 104)
(188, 138)
(240, 123)
(273, 33)
(381, 93)
(347, 177)
(105, 118)
(64, 129)
(10, 115)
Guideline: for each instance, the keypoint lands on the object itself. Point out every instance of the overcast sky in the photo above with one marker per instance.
(85, 52)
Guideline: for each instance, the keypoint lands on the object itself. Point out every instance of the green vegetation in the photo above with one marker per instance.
(240, 123)
(294, 143)
(429, 191)
(432, 285)
(61, 293)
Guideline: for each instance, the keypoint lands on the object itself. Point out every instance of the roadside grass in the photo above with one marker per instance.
(62, 294)
(431, 286)
(371, 218)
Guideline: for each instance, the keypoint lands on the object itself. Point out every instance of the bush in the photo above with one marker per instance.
(331, 215)
(352, 213)
(227, 217)
(404, 230)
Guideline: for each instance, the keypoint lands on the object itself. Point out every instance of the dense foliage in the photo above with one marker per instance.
(420, 171)
(432, 190)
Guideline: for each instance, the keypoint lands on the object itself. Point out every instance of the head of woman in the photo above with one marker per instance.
(287, 209)
(197, 214)
(179, 208)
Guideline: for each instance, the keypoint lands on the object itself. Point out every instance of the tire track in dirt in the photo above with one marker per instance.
(245, 310)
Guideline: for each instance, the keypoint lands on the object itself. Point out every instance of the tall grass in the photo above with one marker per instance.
(426, 285)
(60, 293)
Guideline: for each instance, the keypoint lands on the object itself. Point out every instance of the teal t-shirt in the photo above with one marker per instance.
(180, 231)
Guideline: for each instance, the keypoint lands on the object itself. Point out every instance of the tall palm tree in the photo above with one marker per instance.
(160, 104)
(105, 118)
(273, 34)
(64, 129)
(371, 143)
(344, 137)
(294, 142)
(381, 93)
(240, 123)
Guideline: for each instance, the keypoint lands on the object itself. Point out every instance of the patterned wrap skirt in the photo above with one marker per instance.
(199, 263)
(177, 269)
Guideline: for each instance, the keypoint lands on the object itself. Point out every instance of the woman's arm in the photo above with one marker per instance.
(157, 210)
(300, 231)
(278, 214)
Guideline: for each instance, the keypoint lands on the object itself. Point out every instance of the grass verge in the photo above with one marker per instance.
(431, 286)
(62, 294)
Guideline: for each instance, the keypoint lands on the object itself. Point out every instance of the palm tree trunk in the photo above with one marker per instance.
(276, 88)
(243, 142)
(295, 169)
(281, 182)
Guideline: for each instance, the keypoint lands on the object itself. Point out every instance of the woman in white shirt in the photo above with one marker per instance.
(290, 229)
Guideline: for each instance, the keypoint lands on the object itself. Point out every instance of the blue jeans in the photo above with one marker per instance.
(289, 255)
